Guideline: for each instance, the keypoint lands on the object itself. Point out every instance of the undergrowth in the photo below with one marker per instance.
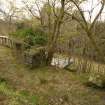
(15, 97)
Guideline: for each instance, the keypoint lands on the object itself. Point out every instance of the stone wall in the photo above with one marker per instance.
(35, 57)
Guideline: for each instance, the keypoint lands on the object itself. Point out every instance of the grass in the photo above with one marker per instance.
(16, 97)
(43, 86)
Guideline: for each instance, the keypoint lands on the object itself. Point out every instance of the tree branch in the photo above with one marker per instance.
(94, 21)
(81, 13)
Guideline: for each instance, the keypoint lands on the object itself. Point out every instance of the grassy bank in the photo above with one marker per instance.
(43, 86)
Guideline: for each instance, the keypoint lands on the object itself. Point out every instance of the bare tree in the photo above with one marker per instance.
(35, 8)
(10, 13)
(60, 9)
(86, 26)
(55, 14)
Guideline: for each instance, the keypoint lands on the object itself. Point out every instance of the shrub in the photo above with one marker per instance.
(30, 36)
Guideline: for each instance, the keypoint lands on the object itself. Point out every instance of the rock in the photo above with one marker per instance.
(35, 57)
(97, 79)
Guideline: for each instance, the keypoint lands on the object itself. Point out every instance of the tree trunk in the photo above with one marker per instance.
(49, 57)
(52, 47)
(55, 34)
